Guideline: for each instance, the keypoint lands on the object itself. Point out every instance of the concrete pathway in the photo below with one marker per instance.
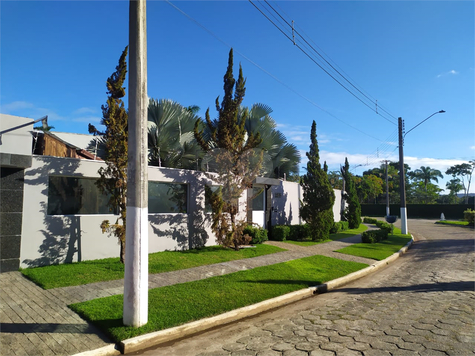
(38, 322)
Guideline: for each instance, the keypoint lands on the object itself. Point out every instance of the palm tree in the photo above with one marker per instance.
(427, 174)
(282, 157)
(171, 141)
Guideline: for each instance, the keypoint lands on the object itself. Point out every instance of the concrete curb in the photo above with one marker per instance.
(109, 350)
(162, 336)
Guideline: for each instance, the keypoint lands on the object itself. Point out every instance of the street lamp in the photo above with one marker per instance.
(402, 178)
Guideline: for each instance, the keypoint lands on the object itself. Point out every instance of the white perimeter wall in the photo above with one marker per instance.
(48, 239)
(286, 199)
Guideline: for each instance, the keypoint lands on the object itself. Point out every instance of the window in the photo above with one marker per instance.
(209, 190)
(258, 198)
(75, 195)
(167, 198)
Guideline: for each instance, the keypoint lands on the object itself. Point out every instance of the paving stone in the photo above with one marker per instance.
(295, 353)
(244, 353)
(341, 339)
(259, 333)
(258, 345)
(372, 352)
(428, 352)
(322, 353)
(269, 353)
(395, 332)
(317, 339)
(282, 346)
(404, 353)
(410, 346)
(234, 347)
(357, 346)
(294, 339)
(306, 346)
(245, 339)
(375, 344)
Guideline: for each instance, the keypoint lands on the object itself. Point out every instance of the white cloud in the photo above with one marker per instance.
(434, 163)
(85, 110)
(453, 72)
(87, 119)
(472, 147)
(27, 109)
(15, 106)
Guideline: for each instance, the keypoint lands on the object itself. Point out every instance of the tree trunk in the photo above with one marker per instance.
(122, 251)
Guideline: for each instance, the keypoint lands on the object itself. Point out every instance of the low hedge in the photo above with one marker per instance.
(298, 232)
(280, 232)
(469, 215)
(370, 221)
(258, 234)
(373, 236)
(339, 226)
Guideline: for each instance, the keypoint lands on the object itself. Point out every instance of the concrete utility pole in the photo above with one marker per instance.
(402, 177)
(387, 188)
(136, 241)
(401, 168)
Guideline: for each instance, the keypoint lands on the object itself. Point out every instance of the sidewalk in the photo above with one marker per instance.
(38, 322)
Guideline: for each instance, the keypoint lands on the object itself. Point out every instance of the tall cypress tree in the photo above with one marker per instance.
(353, 210)
(230, 149)
(113, 178)
(318, 195)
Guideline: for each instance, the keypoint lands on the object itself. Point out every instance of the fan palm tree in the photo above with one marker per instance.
(283, 157)
(171, 141)
(427, 174)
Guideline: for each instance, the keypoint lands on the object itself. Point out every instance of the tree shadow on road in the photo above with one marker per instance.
(432, 249)
(457, 286)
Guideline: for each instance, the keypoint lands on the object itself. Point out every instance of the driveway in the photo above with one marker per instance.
(421, 304)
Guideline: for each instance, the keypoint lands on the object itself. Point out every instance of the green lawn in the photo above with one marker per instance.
(333, 237)
(181, 303)
(74, 274)
(451, 222)
(381, 250)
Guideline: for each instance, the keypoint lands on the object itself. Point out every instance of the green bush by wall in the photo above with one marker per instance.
(258, 234)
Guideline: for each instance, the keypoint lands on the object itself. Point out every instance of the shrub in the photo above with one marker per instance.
(344, 225)
(280, 232)
(369, 237)
(257, 234)
(373, 236)
(298, 232)
(469, 215)
(370, 221)
(336, 228)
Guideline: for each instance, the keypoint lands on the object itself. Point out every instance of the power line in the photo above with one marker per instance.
(268, 73)
(326, 61)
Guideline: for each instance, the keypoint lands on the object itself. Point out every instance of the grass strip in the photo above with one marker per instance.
(74, 274)
(181, 303)
(451, 222)
(341, 235)
(380, 250)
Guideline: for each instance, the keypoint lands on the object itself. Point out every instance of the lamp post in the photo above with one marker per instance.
(402, 178)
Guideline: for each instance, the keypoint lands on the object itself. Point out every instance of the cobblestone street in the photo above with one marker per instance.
(422, 304)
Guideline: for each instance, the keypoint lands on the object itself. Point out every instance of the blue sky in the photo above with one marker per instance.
(413, 57)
